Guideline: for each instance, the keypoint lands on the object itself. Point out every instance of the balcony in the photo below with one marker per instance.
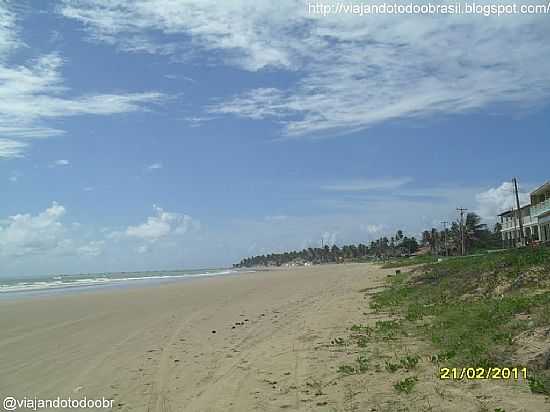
(540, 208)
(527, 220)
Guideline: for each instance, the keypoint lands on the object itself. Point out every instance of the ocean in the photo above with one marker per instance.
(86, 281)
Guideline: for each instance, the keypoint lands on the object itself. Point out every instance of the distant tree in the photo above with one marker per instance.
(428, 238)
(476, 234)
(399, 236)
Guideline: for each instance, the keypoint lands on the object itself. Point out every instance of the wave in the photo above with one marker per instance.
(71, 281)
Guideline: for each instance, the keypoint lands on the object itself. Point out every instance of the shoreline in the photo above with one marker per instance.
(99, 282)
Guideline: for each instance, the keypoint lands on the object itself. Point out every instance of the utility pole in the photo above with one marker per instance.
(462, 245)
(436, 244)
(445, 237)
(521, 235)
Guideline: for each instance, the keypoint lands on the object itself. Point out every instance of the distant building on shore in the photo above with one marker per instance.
(534, 216)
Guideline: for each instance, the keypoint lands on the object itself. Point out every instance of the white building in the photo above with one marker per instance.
(535, 218)
(540, 210)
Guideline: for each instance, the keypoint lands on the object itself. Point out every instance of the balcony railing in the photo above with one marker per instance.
(540, 208)
(527, 220)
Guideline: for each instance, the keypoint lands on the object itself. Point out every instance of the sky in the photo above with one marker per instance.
(165, 134)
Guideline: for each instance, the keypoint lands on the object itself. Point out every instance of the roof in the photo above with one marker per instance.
(542, 188)
(512, 210)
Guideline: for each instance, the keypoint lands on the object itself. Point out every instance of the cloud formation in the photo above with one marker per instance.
(33, 92)
(45, 234)
(353, 71)
(23, 235)
(26, 234)
(162, 225)
(499, 199)
(372, 228)
(365, 185)
(154, 166)
(11, 148)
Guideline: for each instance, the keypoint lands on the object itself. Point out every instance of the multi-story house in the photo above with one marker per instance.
(540, 210)
(535, 218)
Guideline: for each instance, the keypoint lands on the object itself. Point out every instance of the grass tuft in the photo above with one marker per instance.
(406, 385)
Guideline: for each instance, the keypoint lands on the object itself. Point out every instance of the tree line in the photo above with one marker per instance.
(447, 242)
(477, 237)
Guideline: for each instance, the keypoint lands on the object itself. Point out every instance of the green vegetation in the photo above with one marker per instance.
(472, 308)
(398, 245)
(384, 330)
(406, 385)
(392, 367)
(361, 366)
(408, 261)
(539, 384)
(409, 362)
(397, 248)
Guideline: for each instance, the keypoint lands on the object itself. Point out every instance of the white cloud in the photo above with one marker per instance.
(243, 30)
(366, 185)
(92, 249)
(329, 238)
(154, 166)
(499, 199)
(11, 148)
(161, 225)
(353, 71)
(175, 76)
(34, 92)
(25, 234)
(8, 40)
(44, 234)
(61, 162)
(372, 228)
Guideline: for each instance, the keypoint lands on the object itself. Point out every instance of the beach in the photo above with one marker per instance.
(256, 341)
(153, 348)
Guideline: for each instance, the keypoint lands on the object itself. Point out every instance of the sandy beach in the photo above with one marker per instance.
(154, 348)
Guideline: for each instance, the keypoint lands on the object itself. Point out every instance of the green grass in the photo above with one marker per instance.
(392, 367)
(406, 385)
(453, 304)
(408, 261)
(361, 366)
(539, 384)
(409, 362)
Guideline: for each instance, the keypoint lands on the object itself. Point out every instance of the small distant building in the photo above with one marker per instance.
(534, 216)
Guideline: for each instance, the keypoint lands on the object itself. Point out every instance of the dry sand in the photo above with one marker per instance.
(153, 348)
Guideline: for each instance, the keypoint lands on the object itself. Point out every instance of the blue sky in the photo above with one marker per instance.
(175, 134)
